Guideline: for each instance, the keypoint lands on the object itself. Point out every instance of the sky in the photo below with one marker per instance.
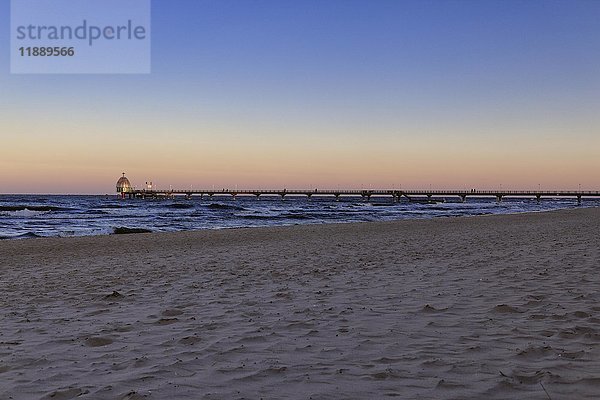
(321, 94)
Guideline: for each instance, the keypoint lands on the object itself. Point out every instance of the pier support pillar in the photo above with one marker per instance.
(578, 200)
(538, 198)
(463, 198)
(499, 198)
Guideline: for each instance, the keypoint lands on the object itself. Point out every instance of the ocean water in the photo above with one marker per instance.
(28, 216)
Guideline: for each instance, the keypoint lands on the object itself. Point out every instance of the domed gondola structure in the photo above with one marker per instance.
(124, 186)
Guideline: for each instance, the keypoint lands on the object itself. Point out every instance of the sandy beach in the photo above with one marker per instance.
(499, 307)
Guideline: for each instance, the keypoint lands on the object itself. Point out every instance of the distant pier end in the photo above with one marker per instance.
(124, 186)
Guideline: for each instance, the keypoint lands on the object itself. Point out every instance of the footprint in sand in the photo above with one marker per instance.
(190, 340)
(113, 296)
(430, 309)
(505, 309)
(581, 314)
(66, 394)
(166, 321)
(132, 396)
(172, 312)
(97, 341)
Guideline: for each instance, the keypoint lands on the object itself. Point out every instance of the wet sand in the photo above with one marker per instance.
(498, 307)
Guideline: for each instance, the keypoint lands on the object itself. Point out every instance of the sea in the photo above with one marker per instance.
(32, 216)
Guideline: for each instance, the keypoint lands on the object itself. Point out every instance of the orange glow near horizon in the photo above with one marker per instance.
(67, 158)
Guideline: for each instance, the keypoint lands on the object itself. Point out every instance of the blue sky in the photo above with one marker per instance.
(432, 81)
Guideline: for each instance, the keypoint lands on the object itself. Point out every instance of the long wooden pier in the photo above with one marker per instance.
(396, 195)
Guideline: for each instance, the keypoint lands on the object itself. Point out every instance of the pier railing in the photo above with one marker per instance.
(364, 193)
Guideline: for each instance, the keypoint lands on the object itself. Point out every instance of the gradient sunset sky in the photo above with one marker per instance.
(382, 94)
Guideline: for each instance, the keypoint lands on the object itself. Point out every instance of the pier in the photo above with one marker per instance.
(126, 190)
(367, 195)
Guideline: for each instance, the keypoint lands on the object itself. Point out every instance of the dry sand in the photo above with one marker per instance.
(499, 307)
